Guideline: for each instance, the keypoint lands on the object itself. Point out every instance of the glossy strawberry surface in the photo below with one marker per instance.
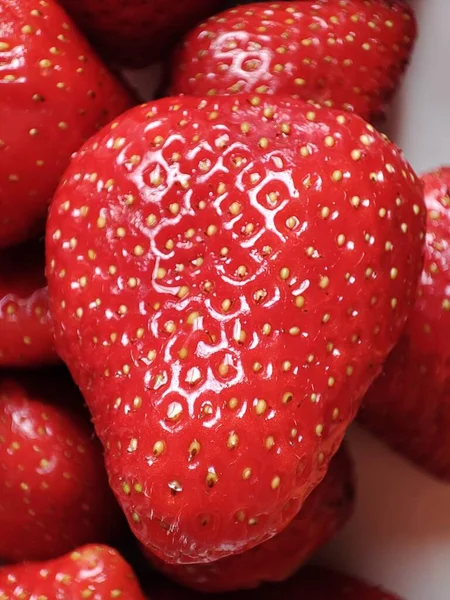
(240, 269)
(409, 404)
(325, 511)
(54, 493)
(310, 583)
(26, 330)
(95, 572)
(346, 54)
(135, 32)
(55, 93)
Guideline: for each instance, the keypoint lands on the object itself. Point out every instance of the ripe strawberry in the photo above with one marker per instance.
(95, 572)
(136, 33)
(310, 583)
(409, 404)
(325, 511)
(242, 268)
(54, 493)
(55, 94)
(26, 330)
(346, 54)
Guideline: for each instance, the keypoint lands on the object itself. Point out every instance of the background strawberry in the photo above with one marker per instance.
(346, 54)
(310, 583)
(54, 493)
(26, 330)
(96, 572)
(325, 511)
(55, 94)
(135, 33)
(242, 268)
(409, 404)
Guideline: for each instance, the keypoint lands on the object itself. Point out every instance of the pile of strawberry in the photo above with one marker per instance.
(231, 275)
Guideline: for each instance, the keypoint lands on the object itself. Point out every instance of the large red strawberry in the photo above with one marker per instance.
(310, 583)
(54, 494)
(409, 404)
(95, 572)
(348, 54)
(26, 330)
(136, 32)
(325, 511)
(242, 267)
(55, 94)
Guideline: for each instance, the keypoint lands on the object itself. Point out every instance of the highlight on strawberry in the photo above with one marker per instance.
(54, 493)
(346, 54)
(55, 93)
(227, 276)
(26, 328)
(91, 571)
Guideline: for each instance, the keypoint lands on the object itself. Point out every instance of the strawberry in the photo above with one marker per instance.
(325, 511)
(26, 330)
(135, 33)
(54, 493)
(55, 94)
(348, 54)
(95, 572)
(240, 269)
(310, 583)
(409, 404)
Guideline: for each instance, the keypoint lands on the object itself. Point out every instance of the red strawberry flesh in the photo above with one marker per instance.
(242, 267)
(26, 330)
(54, 493)
(345, 54)
(96, 572)
(409, 404)
(55, 94)
(325, 511)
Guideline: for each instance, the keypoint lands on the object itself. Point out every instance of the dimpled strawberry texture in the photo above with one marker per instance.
(54, 493)
(26, 329)
(136, 32)
(227, 277)
(347, 54)
(95, 572)
(55, 94)
(325, 511)
(409, 404)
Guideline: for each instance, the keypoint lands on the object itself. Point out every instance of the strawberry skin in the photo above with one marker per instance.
(242, 267)
(346, 54)
(55, 94)
(95, 572)
(26, 330)
(325, 511)
(135, 33)
(310, 583)
(54, 493)
(409, 404)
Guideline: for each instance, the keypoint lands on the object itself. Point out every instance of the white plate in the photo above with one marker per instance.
(400, 534)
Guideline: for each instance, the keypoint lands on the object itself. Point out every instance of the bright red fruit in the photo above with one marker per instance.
(137, 32)
(55, 94)
(310, 583)
(409, 404)
(242, 267)
(95, 572)
(26, 330)
(325, 511)
(345, 54)
(54, 493)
